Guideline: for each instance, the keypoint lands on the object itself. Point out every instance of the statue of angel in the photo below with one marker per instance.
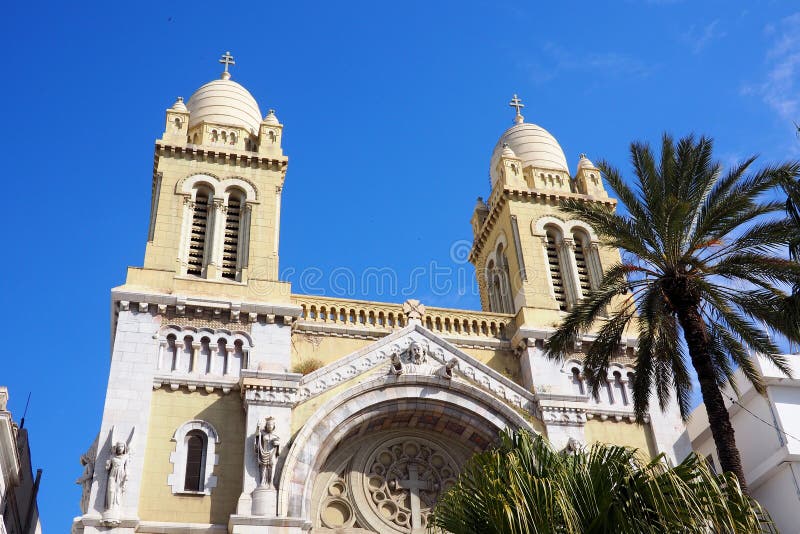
(117, 469)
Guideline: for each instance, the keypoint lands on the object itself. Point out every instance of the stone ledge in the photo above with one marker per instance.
(162, 527)
(262, 521)
(193, 383)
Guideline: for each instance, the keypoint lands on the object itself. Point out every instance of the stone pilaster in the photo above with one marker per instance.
(215, 238)
(125, 414)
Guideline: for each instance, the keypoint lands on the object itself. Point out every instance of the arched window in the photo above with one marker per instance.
(577, 382)
(198, 238)
(620, 387)
(630, 385)
(492, 284)
(609, 390)
(233, 224)
(194, 458)
(505, 297)
(195, 452)
(581, 251)
(172, 353)
(554, 264)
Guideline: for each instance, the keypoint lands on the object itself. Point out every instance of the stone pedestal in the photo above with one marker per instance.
(239, 524)
(265, 501)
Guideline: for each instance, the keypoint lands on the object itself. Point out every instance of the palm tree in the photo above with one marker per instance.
(702, 261)
(792, 189)
(523, 486)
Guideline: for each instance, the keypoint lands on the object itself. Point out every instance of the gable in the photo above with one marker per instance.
(367, 362)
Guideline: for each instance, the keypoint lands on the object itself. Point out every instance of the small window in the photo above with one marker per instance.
(577, 382)
(195, 451)
(194, 458)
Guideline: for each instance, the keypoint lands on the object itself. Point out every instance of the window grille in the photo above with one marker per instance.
(231, 244)
(197, 238)
(555, 271)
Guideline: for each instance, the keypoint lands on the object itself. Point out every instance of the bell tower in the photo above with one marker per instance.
(215, 211)
(204, 315)
(530, 256)
(532, 259)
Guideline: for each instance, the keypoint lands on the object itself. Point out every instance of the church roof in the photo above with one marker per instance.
(224, 102)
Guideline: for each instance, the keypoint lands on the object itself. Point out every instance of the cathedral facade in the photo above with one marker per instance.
(214, 420)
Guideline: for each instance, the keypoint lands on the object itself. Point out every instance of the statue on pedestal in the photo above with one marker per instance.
(117, 469)
(267, 447)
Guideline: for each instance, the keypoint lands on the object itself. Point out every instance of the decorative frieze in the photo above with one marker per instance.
(270, 389)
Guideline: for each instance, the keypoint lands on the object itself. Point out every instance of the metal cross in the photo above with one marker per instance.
(227, 59)
(413, 484)
(517, 104)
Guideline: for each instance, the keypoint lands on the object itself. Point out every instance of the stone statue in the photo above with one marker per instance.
(396, 367)
(267, 447)
(446, 370)
(86, 479)
(117, 467)
(572, 447)
(414, 310)
(414, 361)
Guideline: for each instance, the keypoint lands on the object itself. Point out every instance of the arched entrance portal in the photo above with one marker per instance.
(376, 458)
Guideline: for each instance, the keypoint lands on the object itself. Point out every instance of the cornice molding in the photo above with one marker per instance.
(233, 157)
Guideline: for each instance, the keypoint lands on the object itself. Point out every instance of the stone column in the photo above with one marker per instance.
(243, 252)
(273, 272)
(215, 238)
(186, 230)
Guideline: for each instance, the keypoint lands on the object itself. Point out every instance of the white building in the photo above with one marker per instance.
(768, 437)
(19, 513)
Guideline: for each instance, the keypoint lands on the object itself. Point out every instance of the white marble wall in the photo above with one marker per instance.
(127, 407)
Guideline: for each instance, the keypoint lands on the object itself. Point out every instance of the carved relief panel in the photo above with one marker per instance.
(387, 484)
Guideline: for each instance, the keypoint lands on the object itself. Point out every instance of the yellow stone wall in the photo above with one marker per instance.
(170, 410)
(536, 289)
(503, 361)
(621, 433)
(324, 348)
(161, 270)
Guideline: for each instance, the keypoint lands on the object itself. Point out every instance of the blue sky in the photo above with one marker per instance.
(390, 110)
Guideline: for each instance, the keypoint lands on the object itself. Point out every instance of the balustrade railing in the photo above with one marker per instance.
(387, 316)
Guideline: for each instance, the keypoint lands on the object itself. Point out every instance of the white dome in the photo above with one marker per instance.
(533, 145)
(271, 118)
(224, 102)
(584, 162)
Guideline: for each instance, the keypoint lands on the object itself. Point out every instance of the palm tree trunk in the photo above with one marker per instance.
(696, 336)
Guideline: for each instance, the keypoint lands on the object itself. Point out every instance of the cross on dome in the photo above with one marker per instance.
(227, 60)
(517, 104)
